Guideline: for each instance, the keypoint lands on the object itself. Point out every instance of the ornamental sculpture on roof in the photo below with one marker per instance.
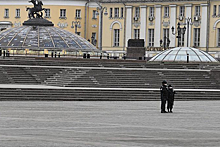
(35, 12)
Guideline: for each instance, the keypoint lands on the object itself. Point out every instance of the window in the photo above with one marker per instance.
(116, 37)
(219, 10)
(214, 10)
(94, 14)
(122, 12)
(166, 33)
(17, 13)
(116, 12)
(78, 13)
(47, 13)
(151, 11)
(197, 11)
(6, 13)
(137, 12)
(182, 11)
(93, 41)
(136, 33)
(196, 37)
(110, 13)
(151, 37)
(181, 40)
(62, 13)
(166, 11)
(218, 37)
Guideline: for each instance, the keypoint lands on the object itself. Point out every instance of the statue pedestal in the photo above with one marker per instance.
(136, 49)
(38, 22)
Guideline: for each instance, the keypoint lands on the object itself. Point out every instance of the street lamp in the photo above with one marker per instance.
(100, 10)
(188, 20)
(77, 25)
(165, 42)
(180, 31)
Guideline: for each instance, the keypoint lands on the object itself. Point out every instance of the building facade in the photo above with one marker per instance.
(152, 20)
(121, 20)
(77, 16)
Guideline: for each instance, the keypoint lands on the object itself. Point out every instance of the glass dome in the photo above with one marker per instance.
(179, 54)
(43, 37)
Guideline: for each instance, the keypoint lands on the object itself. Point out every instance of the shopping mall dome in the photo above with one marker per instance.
(40, 34)
(179, 54)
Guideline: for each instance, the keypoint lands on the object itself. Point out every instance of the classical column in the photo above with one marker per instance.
(143, 22)
(157, 28)
(128, 24)
(203, 29)
(188, 10)
(172, 23)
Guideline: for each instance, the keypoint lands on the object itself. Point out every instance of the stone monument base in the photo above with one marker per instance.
(136, 53)
(38, 22)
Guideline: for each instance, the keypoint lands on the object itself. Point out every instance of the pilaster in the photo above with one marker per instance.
(203, 29)
(128, 23)
(157, 30)
(172, 23)
(143, 22)
(188, 10)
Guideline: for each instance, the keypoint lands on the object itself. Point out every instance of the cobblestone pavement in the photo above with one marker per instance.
(108, 124)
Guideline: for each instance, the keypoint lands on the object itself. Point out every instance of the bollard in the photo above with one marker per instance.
(187, 58)
(101, 56)
(4, 54)
(88, 56)
(84, 55)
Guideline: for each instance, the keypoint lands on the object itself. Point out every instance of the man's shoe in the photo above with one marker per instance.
(163, 111)
(171, 111)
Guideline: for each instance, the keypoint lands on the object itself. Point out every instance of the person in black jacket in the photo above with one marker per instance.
(170, 100)
(164, 96)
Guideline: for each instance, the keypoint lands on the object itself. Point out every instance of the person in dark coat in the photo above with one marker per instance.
(164, 96)
(170, 100)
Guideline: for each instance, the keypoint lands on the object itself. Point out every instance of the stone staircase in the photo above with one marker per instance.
(99, 95)
(73, 62)
(106, 74)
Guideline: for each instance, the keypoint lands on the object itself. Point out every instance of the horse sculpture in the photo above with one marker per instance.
(36, 10)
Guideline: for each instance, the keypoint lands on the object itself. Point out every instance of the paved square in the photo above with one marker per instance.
(108, 124)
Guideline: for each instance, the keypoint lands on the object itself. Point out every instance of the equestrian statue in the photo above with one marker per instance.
(36, 10)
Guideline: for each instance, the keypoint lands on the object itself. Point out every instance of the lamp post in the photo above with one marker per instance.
(165, 42)
(100, 10)
(188, 20)
(77, 25)
(180, 31)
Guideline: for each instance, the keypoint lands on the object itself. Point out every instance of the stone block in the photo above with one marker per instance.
(136, 53)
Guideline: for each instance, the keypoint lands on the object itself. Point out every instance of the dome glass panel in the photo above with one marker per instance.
(179, 54)
(43, 37)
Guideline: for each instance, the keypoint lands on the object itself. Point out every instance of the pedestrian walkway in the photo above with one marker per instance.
(109, 124)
